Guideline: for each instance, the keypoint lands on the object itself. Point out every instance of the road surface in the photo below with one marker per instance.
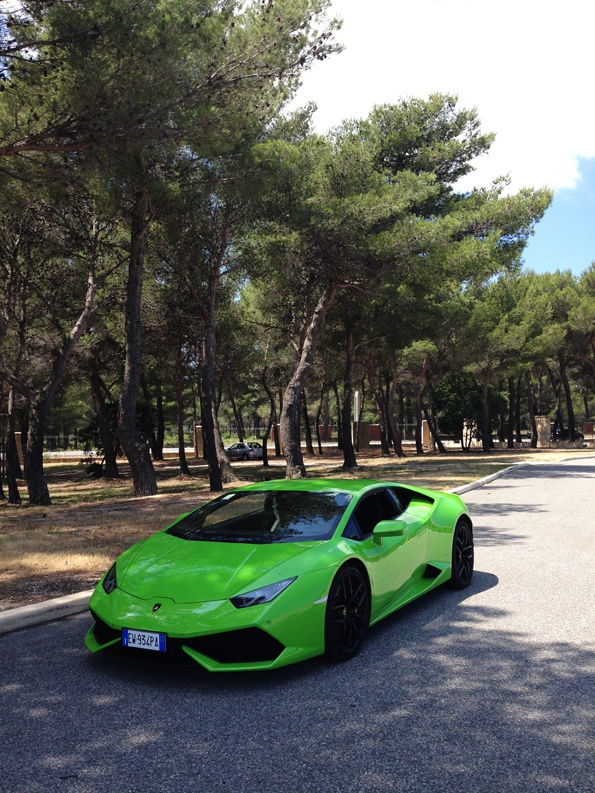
(489, 690)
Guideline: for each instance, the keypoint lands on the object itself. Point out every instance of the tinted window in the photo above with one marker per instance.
(395, 494)
(265, 517)
(374, 508)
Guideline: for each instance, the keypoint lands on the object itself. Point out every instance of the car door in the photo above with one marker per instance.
(392, 561)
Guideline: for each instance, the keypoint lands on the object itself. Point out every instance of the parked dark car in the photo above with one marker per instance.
(244, 451)
(563, 434)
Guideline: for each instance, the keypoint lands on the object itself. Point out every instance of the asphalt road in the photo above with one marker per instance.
(492, 689)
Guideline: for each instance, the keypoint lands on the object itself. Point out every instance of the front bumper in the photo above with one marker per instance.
(215, 634)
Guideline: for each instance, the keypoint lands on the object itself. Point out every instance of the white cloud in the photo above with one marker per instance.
(525, 65)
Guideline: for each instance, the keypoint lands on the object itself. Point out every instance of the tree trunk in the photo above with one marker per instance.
(381, 411)
(517, 411)
(349, 460)
(390, 415)
(107, 440)
(390, 438)
(326, 422)
(486, 434)
(557, 389)
(39, 402)
(318, 420)
(501, 418)
(180, 402)
(291, 398)
(511, 405)
(359, 416)
(400, 420)
(238, 417)
(273, 412)
(24, 425)
(540, 391)
(588, 361)
(419, 448)
(36, 485)
(219, 466)
(339, 419)
(531, 401)
(307, 430)
(149, 401)
(160, 423)
(2, 465)
(568, 395)
(13, 466)
(265, 440)
(433, 429)
(135, 448)
(220, 470)
(374, 380)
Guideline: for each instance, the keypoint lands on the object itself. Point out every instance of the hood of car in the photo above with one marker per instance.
(194, 571)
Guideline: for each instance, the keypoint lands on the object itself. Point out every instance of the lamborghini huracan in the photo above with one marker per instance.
(274, 573)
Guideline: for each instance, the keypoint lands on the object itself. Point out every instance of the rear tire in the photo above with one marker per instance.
(347, 614)
(462, 555)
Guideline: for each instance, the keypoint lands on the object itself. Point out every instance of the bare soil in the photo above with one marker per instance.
(46, 552)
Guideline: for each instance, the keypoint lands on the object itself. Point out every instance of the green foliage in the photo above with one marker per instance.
(458, 402)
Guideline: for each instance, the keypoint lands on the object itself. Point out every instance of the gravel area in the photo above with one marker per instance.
(489, 690)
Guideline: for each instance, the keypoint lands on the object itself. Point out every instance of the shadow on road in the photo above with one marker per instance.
(441, 699)
(551, 470)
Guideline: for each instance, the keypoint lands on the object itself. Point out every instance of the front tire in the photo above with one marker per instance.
(347, 614)
(462, 555)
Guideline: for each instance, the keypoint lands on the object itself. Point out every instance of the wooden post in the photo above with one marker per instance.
(19, 445)
(199, 442)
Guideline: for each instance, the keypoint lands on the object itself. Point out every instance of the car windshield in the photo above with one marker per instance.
(265, 517)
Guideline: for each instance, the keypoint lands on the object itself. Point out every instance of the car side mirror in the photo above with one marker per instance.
(390, 528)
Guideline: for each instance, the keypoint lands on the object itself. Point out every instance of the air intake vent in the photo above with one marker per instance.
(248, 645)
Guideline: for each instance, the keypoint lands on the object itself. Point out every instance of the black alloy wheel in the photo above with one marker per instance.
(347, 614)
(244, 457)
(462, 555)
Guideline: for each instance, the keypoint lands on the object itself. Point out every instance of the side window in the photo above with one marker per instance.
(351, 531)
(376, 507)
(395, 495)
(388, 506)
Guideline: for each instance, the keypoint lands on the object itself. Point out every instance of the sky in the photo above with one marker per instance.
(525, 65)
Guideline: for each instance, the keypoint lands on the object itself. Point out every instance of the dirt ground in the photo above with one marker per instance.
(46, 552)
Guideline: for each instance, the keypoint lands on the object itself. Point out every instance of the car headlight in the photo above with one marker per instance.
(263, 595)
(110, 582)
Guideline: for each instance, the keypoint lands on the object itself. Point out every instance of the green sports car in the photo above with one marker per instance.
(278, 572)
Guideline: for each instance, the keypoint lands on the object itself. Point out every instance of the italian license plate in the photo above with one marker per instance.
(143, 640)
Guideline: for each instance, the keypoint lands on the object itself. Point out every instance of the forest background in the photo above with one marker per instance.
(176, 249)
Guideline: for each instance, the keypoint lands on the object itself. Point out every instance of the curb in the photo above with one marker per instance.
(486, 479)
(38, 613)
(48, 610)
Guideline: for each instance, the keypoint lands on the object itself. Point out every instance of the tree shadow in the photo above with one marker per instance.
(441, 698)
(502, 508)
(552, 470)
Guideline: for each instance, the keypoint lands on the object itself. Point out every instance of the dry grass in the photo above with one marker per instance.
(51, 551)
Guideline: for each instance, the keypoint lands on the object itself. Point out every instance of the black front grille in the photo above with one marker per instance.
(172, 655)
(248, 645)
(103, 633)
